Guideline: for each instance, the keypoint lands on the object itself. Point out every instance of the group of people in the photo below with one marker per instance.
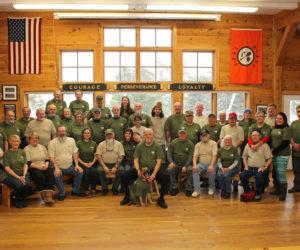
(95, 144)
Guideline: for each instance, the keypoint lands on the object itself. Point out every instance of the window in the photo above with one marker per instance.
(148, 100)
(156, 37)
(190, 99)
(231, 102)
(119, 66)
(119, 37)
(197, 66)
(87, 96)
(38, 100)
(290, 104)
(155, 66)
(77, 66)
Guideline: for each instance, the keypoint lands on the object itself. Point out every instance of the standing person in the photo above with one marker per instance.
(295, 141)
(87, 161)
(138, 111)
(126, 110)
(280, 147)
(105, 112)
(79, 105)
(39, 170)
(193, 129)
(63, 156)
(58, 102)
(256, 163)
(10, 126)
(173, 123)
(147, 154)
(180, 156)
(117, 123)
(222, 117)
(97, 126)
(158, 121)
(138, 126)
(110, 154)
(67, 120)
(15, 173)
(51, 115)
(3, 140)
(199, 117)
(78, 126)
(23, 122)
(206, 153)
(213, 128)
(270, 119)
(228, 158)
(44, 128)
(129, 146)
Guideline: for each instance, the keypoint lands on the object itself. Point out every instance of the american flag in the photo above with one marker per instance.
(24, 45)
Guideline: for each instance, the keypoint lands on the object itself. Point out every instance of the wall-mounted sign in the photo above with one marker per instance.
(137, 86)
(84, 86)
(191, 86)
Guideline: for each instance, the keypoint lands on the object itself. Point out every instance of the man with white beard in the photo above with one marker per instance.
(62, 152)
(10, 126)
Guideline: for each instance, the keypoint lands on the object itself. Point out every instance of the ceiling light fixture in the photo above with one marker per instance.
(71, 6)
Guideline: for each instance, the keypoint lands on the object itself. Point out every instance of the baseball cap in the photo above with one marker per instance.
(109, 131)
(232, 115)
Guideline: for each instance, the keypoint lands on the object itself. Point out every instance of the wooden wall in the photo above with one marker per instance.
(194, 35)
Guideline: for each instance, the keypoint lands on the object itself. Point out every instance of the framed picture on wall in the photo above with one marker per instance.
(9, 107)
(263, 108)
(10, 92)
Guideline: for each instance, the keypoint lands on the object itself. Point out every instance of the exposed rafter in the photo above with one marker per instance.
(288, 17)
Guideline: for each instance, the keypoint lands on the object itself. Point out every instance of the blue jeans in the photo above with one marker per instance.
(20, 190)
(202, 168)
(259, 179)
(76, 180)
(225, 179)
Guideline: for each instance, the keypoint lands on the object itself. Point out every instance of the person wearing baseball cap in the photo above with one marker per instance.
(105, 112)
(192, 128)
(213, 128)
(97, 126)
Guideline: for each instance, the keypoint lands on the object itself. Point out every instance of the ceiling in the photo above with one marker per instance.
(267, 7)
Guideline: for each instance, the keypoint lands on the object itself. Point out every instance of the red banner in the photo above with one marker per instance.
(246, 57)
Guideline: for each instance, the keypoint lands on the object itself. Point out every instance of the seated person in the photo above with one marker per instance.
(110, 154)
(256, 163)
(206, 152)
(228, 158)
(180, 155)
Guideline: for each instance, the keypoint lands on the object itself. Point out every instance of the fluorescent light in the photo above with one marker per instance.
(138, 16)
(201, 8)
(71, 6)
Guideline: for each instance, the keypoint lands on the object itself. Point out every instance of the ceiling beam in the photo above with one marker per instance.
(288, 35)
(288, 17)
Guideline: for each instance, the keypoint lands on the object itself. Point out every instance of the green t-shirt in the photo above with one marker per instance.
(277, 136)
(265, 130)
(68, 123)
(86, 150)
(193, 132)
(148, 155)
(3, 137)
(246, 125)
(105, 113)
(129, 151)
(15, 160)
(55, 120)
(82, 106)
(98, 130)
(118, 125)
(15, 129)
(23, 124)
(180, 151)
(125, 114)
(228, 156)
(214, 132)
(146, 120)
(60, 106)
(173, 123)
(76, 131)
(295, 130)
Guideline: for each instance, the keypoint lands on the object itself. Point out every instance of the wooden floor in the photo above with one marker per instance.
(201, 223)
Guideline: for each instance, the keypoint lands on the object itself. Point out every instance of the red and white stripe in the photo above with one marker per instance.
(25, 57)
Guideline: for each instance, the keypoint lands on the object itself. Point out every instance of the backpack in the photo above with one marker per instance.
(249, 196)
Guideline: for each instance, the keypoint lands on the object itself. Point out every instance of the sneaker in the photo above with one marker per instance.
(188, 193)
(174, 192)
(211, 191)
(257, 198)
(161, 202)
(195, 194)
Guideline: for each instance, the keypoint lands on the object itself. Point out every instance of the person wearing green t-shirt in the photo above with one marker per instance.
(280, 146)
(67, 120)
(147, 154)
(97, 126)
(295, 141)
(79, 105)
(222, 117)
(10, 126)
(228, 158)
(78, 126)
(51, 115)
(105, 112)
(180, 155)
(87, 161)
(193, 129)
(213, 128)
(138, 111)
(173, 123)
(23, 122)
(3, 140)
(15, 174)
(58, 102)
(129, 146)
(126, 110)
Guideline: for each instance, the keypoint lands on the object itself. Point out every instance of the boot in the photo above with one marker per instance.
(277, 189)
(48, 197)
(283, 191)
